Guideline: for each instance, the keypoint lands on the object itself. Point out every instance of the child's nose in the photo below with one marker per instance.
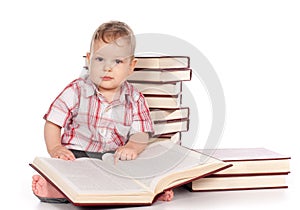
(108, 66)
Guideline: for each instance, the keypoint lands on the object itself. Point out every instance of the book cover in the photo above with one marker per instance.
(159, 62)
(158, 115)
(163, 101)
(150, 88)
(174, 137)
(250, 182)
(160, 75)
(251, 160)
(170, 126)
(252, 168)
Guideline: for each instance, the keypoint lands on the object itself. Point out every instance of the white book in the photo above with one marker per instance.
(173, 88)
(159, 62)
(171, 126)
(173, 137)
(164, 102)
(239, 183)
(161, 76)
(169, 114)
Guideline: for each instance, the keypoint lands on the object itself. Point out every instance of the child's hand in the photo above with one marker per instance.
(62, 153)
(125, 153)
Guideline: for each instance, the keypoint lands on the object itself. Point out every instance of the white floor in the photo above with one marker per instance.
(254, 199)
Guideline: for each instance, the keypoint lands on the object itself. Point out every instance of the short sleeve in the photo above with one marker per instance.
(141, 117)
(62, 108)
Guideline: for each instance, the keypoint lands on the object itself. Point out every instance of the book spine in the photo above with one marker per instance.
(236, 189)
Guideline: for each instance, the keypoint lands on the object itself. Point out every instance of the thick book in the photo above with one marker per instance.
(251, 160)
(160, 75)
(163, 101)
(173, 88)
(252, 168)
(158, 115)
(170, 126)
(159, 62)
(173, 137)
(94, 182)
(250, 182)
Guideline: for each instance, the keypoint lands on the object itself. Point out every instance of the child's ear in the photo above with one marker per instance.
(132, 65)
(87, 58)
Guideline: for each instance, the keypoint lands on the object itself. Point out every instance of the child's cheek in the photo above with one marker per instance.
(96, 72)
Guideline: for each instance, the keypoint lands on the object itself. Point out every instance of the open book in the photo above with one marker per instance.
(161, 166)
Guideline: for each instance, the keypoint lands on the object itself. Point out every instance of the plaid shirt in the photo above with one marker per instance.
(91, 123)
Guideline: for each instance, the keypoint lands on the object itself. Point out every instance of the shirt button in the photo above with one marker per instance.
(102, 131)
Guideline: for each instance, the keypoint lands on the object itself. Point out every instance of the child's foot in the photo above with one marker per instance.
(44, 189)
(167, 196)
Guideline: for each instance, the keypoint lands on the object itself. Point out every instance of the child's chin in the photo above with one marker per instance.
(107, 87)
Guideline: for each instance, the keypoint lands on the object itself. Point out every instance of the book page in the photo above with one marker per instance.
(158, 160)
(88, 176)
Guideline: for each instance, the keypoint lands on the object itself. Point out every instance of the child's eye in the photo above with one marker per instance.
(118, 61)
(99, 59)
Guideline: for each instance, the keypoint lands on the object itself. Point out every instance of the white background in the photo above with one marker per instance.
(254, 46)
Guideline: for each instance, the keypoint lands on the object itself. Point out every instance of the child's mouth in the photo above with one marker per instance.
(106, 78)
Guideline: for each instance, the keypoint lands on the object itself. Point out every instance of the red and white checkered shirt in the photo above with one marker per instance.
(91, 123)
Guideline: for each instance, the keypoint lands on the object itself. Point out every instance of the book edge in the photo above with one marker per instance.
(236, 189)
(193, 179)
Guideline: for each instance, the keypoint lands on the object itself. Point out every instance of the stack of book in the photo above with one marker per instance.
(160, 80)
(252, 168)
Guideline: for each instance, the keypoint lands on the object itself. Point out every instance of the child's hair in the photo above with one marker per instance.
(111, 31)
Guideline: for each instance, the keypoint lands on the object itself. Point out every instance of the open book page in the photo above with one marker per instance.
(88, 176)
(158, 160)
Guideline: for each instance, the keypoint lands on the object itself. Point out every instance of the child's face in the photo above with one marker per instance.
(110, 64)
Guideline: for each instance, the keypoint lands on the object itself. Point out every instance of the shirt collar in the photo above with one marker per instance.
(91, 89)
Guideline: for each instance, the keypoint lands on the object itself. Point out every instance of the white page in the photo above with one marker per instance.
(155, 162)
(88, 176)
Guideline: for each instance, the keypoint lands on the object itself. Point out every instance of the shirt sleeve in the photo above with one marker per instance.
(141, 117)
(62, 108)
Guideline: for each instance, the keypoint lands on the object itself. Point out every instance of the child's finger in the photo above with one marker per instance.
(116, 156)
(70, 155)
